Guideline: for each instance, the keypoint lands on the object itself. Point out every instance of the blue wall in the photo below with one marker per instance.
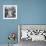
(33, 12)
(7, 26)
(29, 12)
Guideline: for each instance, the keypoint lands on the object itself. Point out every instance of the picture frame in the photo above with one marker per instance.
(9, 11)
(36, 32)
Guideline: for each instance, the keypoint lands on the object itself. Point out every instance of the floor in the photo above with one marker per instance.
(7, 45)
(30, 43)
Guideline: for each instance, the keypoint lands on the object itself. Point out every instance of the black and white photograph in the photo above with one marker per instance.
(9, 11)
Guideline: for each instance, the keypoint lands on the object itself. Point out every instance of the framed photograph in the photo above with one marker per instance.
(31, 32)
(9, 11)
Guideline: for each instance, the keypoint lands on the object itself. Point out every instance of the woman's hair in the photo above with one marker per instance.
(6, 12)
(13, 11)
